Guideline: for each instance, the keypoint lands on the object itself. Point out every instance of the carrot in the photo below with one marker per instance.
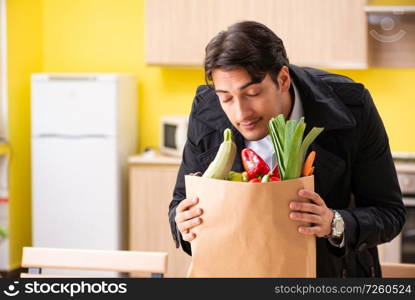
(308, 164)
(311, 172)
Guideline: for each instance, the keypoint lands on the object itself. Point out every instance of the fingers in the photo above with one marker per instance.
(188, 236)
(320, 222)
(188, 214)
(304, 193)
(186, 204)
(187, 217)
(306, 207)
(306, 217)
(313, 230)
(185, 226)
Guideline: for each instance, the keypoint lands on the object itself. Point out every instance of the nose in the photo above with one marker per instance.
(244, 110)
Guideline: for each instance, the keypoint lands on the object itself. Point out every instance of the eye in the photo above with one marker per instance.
(253, 94)
(226, 100)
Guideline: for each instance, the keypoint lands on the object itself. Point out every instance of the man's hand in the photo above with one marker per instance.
(316, 213)
(188, 217)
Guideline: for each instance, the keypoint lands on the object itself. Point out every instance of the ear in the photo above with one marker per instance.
(284, 79)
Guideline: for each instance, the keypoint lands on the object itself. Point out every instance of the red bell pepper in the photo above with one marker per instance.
(276, 172)
(255, 180)
(254, 165)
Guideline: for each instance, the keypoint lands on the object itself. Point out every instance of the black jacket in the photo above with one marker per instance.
(354, 171)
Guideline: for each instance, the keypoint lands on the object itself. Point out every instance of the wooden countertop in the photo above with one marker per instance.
(154, 158)
(403, 156)
(405, 168)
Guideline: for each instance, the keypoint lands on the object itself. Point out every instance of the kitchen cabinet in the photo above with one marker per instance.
(319, 33)
(391, 40)
(151, 189)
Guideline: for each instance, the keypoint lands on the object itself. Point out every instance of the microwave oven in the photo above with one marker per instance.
(173, 134)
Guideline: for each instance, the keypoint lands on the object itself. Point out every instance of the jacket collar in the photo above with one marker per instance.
(322, 107)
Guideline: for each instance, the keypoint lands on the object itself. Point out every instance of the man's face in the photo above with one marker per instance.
(249, 106)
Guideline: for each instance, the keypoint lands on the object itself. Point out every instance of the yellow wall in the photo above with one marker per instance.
(24, 33)
(394, 96)
(108, 36)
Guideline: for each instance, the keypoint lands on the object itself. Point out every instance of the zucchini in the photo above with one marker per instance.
(220, 167)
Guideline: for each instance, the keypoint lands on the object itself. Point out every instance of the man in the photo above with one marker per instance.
(357, 203)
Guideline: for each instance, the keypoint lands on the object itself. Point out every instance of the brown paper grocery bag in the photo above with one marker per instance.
(246, 230)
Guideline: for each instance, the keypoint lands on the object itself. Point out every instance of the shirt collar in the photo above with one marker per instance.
(297, 111)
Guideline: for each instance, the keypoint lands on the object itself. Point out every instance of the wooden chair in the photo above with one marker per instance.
(397, 270)
(98, 260)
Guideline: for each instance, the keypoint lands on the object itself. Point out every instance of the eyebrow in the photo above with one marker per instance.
(240, 88)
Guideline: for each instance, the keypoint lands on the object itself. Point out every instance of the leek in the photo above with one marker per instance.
(289, 147)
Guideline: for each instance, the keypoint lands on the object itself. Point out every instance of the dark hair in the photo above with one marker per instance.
(249, 45)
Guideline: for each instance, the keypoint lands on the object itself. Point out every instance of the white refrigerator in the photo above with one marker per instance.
(84, 127)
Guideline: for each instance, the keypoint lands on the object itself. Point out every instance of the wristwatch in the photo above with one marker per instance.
(337, 226)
